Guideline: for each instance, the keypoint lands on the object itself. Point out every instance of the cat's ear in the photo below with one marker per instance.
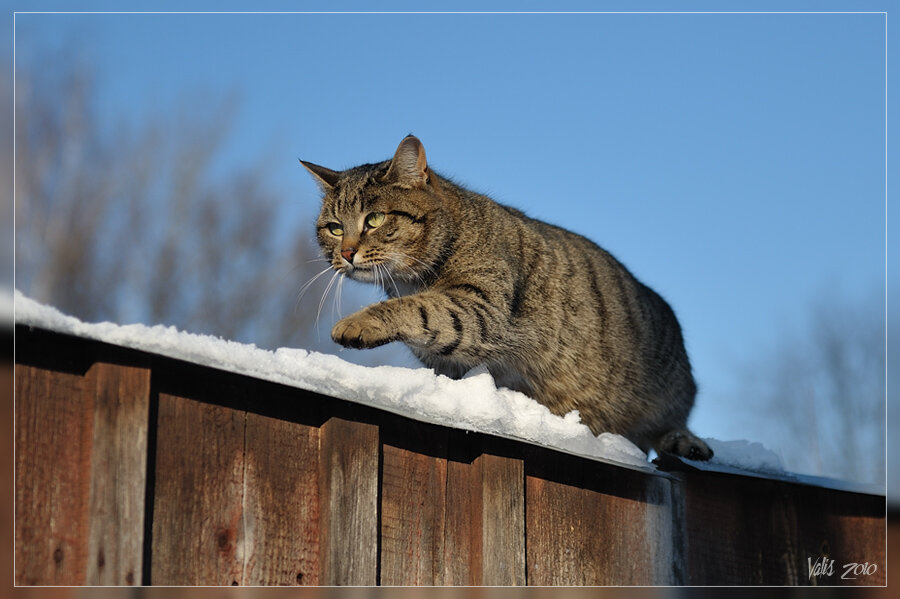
(325, 177)
(408, 166)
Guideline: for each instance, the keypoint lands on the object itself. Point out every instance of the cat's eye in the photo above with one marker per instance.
(335, 229)
(375, 219)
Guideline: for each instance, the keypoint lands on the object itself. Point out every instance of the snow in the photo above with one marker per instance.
(747, 455)
(473, 403)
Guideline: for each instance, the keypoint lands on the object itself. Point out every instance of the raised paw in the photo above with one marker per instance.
(685, 444)
(361, 331)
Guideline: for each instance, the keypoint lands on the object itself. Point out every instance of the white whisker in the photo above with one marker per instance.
(393, 282)
(427, 266)
(379, 278)
(336, 300)
(306, 287)
(324, 295)
(397, 260)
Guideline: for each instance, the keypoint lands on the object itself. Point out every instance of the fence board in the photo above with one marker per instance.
(854, 526)
(198, 498)
(315, 490)
(462, 560)
(348, 503)
(121, 399)
(554, 539)
(592, 524)
(53, 454)
(281, 502)
(413, 498)
(503, 518)
(7, 466)
(859, 539)
(632, 513)
(751, 542)
(767, 531)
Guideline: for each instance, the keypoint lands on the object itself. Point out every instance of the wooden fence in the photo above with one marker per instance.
(133, 468)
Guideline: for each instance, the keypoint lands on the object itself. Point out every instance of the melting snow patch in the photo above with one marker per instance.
(747, 455)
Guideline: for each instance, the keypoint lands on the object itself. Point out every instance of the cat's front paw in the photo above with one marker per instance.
(362, 331)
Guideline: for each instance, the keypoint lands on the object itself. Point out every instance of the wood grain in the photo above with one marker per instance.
(198, 497)
(413, 495)
(7, 468)
(766, 531)
(348, 503)
(248, 486)
(121, 399)
(54, 421)
(503, 520)
(740, 531)
(281, 502)
(462, 547)
(556, 554)
(593, 524)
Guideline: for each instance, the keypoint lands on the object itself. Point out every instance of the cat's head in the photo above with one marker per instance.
(379, 222)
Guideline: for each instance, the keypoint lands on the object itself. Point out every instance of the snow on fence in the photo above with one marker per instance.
(134, 466)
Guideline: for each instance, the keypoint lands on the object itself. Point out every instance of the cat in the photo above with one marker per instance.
(473, 282)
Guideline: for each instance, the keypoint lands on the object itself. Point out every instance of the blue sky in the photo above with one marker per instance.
(734, 162)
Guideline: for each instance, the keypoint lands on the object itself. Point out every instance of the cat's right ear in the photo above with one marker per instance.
(409, 167)
(325, 177)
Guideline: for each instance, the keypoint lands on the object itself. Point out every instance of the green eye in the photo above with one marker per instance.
(375, 219)
(335, 229)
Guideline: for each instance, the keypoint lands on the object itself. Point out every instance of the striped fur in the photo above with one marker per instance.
(470, 282)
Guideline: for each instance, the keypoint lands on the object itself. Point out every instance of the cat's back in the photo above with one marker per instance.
(568, 289)
(550, 257)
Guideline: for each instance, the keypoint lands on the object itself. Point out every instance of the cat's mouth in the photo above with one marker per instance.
(362, 272)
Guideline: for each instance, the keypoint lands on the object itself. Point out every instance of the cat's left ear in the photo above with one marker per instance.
(409, 166)
(325, 177)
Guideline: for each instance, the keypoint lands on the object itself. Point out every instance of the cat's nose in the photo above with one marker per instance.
(348, 253)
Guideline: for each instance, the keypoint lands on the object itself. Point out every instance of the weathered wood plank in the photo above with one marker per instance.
(54, 422)
(413, 496)
(862, 542)
(767, 531)
(503, 520)
(121, 398)
(462, 559)
(240, 497)
(348, 503)
(555, 551)
(632, 531)
(846, 527)
(7, 468)
(197, 533)
(594, 524)
(740, 531)
(281, 502)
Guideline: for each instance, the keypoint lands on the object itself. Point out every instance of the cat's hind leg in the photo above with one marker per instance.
(684, 443)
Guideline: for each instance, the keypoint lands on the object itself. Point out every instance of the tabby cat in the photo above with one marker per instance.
(470, 282)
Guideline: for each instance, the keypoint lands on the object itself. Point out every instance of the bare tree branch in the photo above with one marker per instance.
(133, 223)
(824, 389)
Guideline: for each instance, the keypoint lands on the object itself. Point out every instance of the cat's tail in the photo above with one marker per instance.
(684, 443)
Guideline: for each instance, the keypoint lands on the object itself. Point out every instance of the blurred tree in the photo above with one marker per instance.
(824, 389)
(6, 170)
(135, 224)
